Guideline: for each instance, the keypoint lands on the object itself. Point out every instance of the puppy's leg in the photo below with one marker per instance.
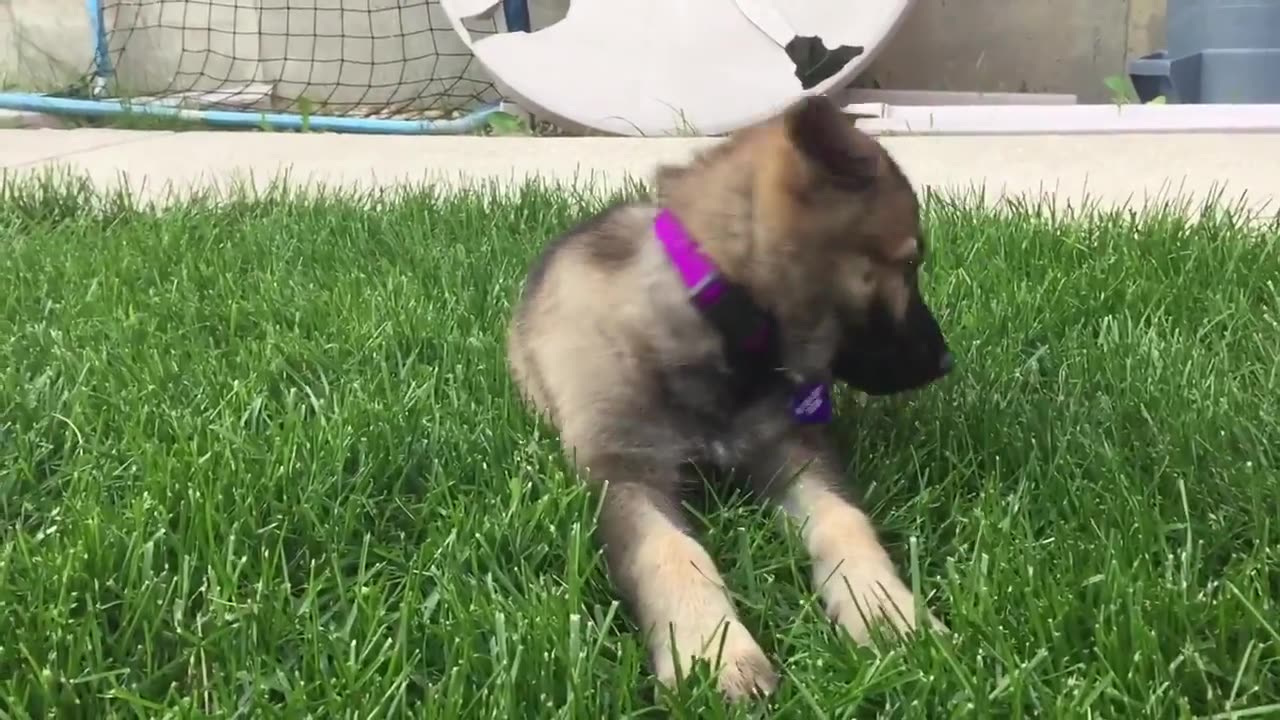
(673, 588)
(851, 569)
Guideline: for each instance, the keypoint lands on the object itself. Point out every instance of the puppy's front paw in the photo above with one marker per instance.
(741, 667)
(861, 594)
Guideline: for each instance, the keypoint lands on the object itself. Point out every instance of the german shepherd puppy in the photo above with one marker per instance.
(703, 330)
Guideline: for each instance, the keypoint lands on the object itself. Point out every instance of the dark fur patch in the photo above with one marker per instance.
(701, 395)
(892, 170)
(609, 250)
(600, 245)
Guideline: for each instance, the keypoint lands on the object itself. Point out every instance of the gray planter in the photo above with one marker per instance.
(1219, 51)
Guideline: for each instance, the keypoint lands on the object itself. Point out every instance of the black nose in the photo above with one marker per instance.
(945, 363)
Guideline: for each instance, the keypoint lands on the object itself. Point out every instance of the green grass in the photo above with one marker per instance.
(262, 459)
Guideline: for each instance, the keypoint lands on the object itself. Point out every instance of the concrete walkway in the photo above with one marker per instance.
(1106, 169)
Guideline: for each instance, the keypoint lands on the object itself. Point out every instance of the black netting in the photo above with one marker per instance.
(367, 58)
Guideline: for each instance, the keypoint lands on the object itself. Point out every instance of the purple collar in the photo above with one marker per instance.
(747, 328)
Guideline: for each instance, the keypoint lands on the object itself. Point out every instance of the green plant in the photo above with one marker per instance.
(306, 108)
(505, 123)
(1123, 92)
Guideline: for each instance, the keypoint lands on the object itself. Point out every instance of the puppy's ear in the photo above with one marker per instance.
(826, 138)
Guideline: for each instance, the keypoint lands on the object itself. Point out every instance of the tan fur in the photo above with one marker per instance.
(851, 570)
(816, 220)
(698, 619)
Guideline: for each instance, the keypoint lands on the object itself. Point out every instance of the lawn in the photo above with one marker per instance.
(263, 459)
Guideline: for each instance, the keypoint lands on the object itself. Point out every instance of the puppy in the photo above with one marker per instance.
(705, 329)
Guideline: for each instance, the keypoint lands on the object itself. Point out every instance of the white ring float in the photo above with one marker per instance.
(680, 67)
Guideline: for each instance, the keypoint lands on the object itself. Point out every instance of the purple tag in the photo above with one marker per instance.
(811, 404)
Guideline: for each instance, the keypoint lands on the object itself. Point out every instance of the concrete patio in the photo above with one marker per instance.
(1125, 169)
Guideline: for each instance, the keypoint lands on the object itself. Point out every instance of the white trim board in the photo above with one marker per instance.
(952, 97)
(885, 119)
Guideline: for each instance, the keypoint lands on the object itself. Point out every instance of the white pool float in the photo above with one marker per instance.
(671, 67)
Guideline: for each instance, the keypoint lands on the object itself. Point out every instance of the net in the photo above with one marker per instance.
(356, 58)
